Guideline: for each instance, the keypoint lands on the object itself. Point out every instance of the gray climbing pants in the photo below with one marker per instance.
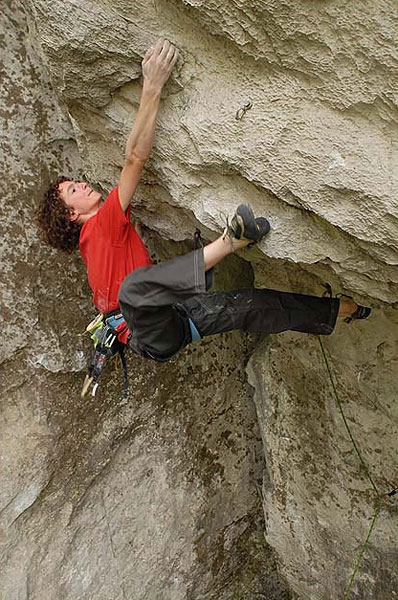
(157, 303)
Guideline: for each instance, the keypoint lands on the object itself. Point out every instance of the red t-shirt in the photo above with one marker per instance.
(111, 248)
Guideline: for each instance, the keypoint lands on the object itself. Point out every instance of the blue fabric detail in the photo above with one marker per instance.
(115, 320)
(194, 332)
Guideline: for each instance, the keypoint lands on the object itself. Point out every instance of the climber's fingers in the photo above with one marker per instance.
(159, 62)
(148, 54)
(172, 55)
(164, 49)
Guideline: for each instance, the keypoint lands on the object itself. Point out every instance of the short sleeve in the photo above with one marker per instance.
(112, 221)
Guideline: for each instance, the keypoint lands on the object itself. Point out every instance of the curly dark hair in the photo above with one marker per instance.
(53, 217)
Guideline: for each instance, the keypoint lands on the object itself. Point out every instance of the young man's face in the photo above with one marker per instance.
(82, 200)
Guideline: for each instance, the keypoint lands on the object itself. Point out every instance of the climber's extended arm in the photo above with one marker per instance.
(157, 65)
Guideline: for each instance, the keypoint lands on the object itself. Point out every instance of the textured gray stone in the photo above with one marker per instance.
(317, 498)
(159, 497)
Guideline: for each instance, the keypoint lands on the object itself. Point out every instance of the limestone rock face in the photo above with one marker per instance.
(317, 151)
(293, 107)
(318, 500)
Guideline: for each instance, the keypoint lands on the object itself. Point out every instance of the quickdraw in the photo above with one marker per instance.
(104, 331)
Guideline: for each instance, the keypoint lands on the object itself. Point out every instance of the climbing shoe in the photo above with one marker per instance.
(244, 225)
(362, 312)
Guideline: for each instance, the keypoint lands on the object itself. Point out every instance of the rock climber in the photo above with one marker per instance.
(167, 306)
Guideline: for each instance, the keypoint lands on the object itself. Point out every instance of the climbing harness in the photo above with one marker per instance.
(105, 330)
(240, 113)
(195, 335)
(379, 496)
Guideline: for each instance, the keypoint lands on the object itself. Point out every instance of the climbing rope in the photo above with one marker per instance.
(345, 420)
(367, 473)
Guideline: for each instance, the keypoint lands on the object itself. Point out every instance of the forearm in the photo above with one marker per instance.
(140, 140)
(157, 65)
